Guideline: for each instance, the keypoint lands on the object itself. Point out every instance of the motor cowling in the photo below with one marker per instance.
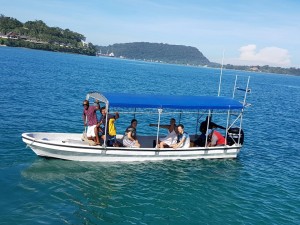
(233, 135)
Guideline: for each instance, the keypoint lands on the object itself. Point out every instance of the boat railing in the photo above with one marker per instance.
(239, 117)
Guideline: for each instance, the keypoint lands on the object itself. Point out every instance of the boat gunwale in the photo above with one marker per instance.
(127, 149)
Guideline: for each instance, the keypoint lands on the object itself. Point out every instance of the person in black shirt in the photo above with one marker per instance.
(203, 127)
(212, 125)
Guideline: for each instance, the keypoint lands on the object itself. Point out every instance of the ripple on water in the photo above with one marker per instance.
(45, 92)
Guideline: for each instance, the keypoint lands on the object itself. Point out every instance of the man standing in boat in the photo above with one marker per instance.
(89, 117)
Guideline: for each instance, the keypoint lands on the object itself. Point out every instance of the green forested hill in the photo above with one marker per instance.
(37, 35)
(178, 54)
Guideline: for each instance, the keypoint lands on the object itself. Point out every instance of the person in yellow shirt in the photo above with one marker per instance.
(111, 129)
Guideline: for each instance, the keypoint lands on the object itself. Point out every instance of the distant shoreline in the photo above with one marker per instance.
(38, 35)
(148, 61)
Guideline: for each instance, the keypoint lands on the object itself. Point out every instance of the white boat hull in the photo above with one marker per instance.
(70, 147)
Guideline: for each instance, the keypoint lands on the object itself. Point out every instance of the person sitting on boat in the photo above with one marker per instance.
(203, 127)
(111, 131)
(183, 138)
(90, 118)
(130, 139)
(216, 138)
(212, 125)
(171, 138)
(200, 141)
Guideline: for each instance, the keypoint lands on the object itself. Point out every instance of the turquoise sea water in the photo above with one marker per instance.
(43, 91)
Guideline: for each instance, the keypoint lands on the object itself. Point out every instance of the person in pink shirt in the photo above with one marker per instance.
(89, 117)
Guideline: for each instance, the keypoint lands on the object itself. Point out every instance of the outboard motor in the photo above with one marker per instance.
(233, 136)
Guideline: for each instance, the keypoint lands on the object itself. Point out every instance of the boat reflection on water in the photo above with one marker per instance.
(91, 191)
(48, 170)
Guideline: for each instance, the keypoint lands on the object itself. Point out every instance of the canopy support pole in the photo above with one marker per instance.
(85, 126)
(228, 118)
(244, 103)
(197, 123)
(158, 124)
(106, 128)
(180, 117)
(207, 126)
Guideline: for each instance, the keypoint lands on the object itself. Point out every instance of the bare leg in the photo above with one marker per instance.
(96, 130)
(161, 144)
(137, 144)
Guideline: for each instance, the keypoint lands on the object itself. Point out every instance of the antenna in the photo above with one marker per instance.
(220, 82)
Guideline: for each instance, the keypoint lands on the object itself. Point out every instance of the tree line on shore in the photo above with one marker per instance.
(156, 52)
(265, 69)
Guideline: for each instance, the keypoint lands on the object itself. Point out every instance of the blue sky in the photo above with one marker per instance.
(256, 32)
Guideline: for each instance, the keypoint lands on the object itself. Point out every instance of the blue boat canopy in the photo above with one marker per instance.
(126, 100)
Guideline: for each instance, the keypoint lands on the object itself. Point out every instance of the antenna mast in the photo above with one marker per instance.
(220, 82)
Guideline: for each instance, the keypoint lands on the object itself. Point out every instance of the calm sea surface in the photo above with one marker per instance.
(43, 91)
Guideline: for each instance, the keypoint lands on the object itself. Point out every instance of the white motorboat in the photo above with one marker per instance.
(72, 146)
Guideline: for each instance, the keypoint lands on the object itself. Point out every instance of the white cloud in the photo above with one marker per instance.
(272, 56)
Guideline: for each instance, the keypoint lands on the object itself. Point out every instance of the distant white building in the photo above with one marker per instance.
(84, 43)
(3, 35)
